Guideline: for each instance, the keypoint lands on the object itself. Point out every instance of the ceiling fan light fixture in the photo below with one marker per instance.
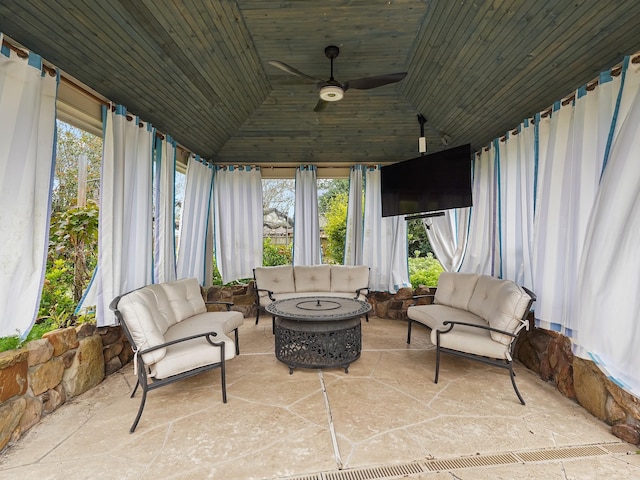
(331, 93)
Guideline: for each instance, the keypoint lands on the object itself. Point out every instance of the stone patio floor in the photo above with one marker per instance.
(384, 419)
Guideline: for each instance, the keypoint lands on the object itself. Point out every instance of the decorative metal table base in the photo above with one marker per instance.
(334, 343)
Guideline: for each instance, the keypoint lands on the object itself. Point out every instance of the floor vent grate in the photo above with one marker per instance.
(409, 469)
(375, 473)
(619, 448)
(561, 453)
(469, 462)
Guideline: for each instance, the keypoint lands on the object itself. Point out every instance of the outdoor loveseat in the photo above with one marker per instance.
(475, 316)
(173, 336)
(287, 281)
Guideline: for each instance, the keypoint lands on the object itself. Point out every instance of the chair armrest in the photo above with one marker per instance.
(452, 324)
(417, 298)
(359, 291)
(228, 304)
(269, 293)
(208, 336)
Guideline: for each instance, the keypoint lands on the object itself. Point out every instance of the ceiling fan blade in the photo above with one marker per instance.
(320, 105)
(373, 82)
(293, 71)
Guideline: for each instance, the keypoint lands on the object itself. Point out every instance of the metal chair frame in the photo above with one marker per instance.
(506, 363)
(143, 371)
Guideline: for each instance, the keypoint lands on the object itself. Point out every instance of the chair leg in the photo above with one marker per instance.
(135, 389)
(513, 382)
(437, 357)
(273, 324)
(366, 317)
(223, 379)
(237, 344)
(409, 330)
(257, 314)
(142, 402)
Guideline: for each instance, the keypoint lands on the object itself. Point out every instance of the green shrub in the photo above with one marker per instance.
(57, 291)
(275, 254)
(424, 271)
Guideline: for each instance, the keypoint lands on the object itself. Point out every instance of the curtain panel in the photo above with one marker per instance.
(195, 223)
(239, 220)
(306, 226)
(27, 165)
(385, 240)
(125, 224)
(480, 255)
(353, 237)
(448, 236)
(516, 181)
(608, 284)
(572, 144)
(164, 250)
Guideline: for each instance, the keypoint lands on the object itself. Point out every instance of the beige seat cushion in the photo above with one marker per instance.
(312, 278)
(345, 278)
(147, 314)
(184, 297)
(502, 303)
(277, 279)
(455, 289)
(226, 322)
(472, 340)
(191, 354)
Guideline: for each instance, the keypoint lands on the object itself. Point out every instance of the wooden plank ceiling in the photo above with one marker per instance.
(197, 69)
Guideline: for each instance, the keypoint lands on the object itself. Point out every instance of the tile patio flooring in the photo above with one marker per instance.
(384, 419)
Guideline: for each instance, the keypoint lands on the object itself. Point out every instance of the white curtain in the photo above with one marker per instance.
(238, 221)
(385, 240)
(571, 152)
(125, 228)
(353, 240)
(609, 284)
(482, 241)
(193, 258)
(448, 236)
(306, 225)
(27, 161)
(516, 180)
(164, 195)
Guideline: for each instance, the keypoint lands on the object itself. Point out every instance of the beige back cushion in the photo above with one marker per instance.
(185, 298)
(455, 289)
(349, 278)
(148, 315)
(277, 279)
(502, 303)
(312, 278)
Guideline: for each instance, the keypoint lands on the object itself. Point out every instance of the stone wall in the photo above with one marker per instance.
(549, 354)
(40, 377)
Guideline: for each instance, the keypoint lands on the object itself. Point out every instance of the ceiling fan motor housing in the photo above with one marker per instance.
(331, 93)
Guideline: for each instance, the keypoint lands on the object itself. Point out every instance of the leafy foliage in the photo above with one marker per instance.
(273, 255)
(330, 190)
(424, 271)
(336, 227)
(74, 240)
(418, 242)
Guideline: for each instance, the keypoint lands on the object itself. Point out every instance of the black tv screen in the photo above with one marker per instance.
(429, 183)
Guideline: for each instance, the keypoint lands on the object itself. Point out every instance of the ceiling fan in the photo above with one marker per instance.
(331, 90)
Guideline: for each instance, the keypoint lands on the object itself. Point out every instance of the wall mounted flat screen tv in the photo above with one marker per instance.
(429, 183)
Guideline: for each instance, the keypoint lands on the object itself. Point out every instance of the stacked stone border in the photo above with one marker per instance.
(40, 377)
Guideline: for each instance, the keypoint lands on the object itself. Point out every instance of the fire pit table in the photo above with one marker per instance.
(318, 332)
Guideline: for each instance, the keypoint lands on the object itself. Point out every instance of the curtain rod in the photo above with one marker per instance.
(590, 86)
(24, 54)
